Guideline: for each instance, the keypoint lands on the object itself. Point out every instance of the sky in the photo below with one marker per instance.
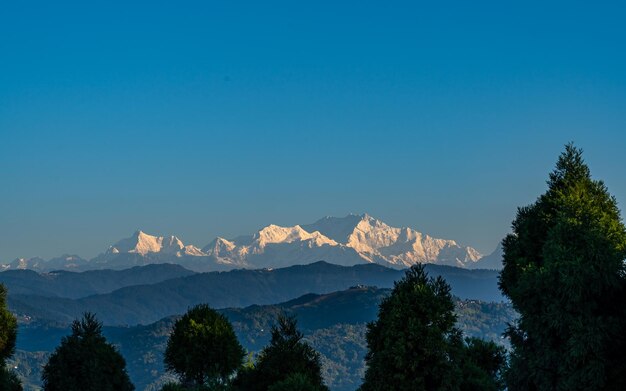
(208, 118)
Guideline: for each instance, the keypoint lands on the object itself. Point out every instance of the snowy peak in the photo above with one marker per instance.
(272, 246)
(276, 234)
(144, 244)
(338, 229)
(24, 263)
(344, 240)
(349, 240)
(370, 234)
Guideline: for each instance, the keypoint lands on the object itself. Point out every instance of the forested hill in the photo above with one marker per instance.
(144, 304)
(75, 285)
(334, 323)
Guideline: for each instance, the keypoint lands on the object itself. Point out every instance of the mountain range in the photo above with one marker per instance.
(334, 323)
(49, 296)
(349, 240)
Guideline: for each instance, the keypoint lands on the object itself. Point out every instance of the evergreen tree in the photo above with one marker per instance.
(414, 344)
(203, 349)
(8, 335)
(8, 328)
(564, 273)
(86, 361)
(482, 364)
(287, 361)
(295, 382)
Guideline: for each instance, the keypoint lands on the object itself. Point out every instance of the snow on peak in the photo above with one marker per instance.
(143, 243)
(350, 239)
(277, 234)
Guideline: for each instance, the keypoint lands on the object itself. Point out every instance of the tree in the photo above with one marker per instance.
(482, 365)
(203, 348)
(8, 335)
(295, 381)
(288, 361)
(9, 380)
(86, 361)
(564, 273)
(414, 344)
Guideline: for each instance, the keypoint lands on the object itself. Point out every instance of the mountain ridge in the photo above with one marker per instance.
(146, 303)
(350, 240)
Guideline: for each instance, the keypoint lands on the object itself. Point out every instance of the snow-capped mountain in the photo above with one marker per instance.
(142, 249)
(64, 262)
(348, 240)
(24, 263)
(142, 243)
(275, 246)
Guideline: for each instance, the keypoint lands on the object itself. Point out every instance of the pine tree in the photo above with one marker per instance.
(564, 273)
(415, 345)
(288, 361)
(86, 361)
(8, 335)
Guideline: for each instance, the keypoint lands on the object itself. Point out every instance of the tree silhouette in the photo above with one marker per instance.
(564, 273)
(415, 345)
(203, 348)
(8, 335)
(288, 361)
(85, 361)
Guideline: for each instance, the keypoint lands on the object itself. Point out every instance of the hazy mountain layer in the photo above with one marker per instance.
(76, 285)
(238, 288)
(333, 323)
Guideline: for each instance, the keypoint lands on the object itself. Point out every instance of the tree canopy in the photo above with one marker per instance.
(415, 345)
(288, 361)
(8, 335)
(203, 348)
(8, 327)
(564, 273)
(86, 361)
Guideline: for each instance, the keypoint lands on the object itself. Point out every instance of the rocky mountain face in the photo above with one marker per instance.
(350, 240)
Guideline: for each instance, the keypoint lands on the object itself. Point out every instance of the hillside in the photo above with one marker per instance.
(75, 285)
(144, 304)
(333, 323)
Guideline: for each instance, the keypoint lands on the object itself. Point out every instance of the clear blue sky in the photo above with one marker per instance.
(216, 118)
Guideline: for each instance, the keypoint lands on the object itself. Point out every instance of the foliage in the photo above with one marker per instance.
(415, 345)
(413, 341)
(85, 361)
(171, 386)
(564, 273)
(8, 328)
(482, 365)
(8, 335)
(9, 380)
(203, 348)
(295, 381)
(340, 340)
(287, 354)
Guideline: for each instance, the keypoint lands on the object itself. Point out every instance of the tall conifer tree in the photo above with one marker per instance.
(86, 361)
(564, 273)
(8, 335)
